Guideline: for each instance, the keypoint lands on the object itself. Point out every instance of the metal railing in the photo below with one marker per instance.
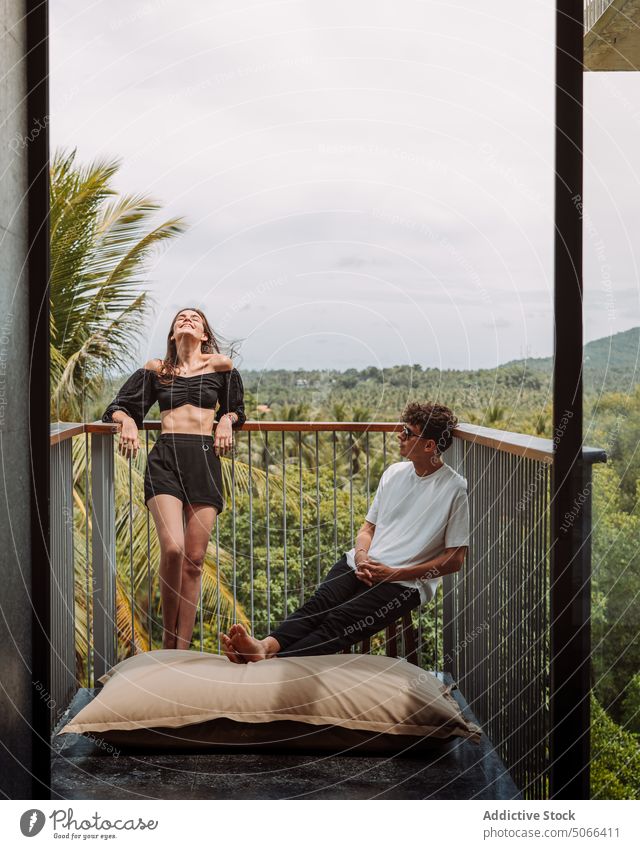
(593, 11)
(296, 493)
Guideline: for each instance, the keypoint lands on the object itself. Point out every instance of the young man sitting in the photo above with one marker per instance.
(416, 530)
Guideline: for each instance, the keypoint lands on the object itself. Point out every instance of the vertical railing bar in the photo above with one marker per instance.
(516, 591)
(525, 644)
(301, 517)
(460, 651)
(103, 553)
(476, 574)
(520, 599)
(483, 576)
(511, 699)
(384, 450)
(538, 695)
(526, 602)
(317, 461)
(545, 615)
(469, 648)
(234, 547)
(201, 603)
(368, 483)
(494, 565)
(529, 637)
(478, 564)
(500, 615)
(200, 614)
(267, 495)
(497, 615)
(58, 661)
(470, 604)
(351, 486)
(149, 583)
(514, 703)
(55, 591)
(284, 523)
(514, 682)
(218, 585)
(506, 625)
(87, 562)
(251, 576)
(540, 595)
(505, 603)
(486, 578)
(506, 620)
(131, 578)
(335, 496)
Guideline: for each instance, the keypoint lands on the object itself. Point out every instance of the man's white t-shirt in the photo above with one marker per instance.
(416, 518)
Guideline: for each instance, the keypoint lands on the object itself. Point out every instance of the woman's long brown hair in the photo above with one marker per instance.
(170, 362)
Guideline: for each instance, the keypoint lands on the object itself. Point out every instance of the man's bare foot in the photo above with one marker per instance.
(229, 650)
(247, 647)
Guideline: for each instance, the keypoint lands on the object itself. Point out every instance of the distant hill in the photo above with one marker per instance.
(490, 396)
(611, 364)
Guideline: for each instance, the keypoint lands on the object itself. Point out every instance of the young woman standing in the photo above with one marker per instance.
(183, 480)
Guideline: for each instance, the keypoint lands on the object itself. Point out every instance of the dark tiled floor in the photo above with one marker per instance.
(456, 770)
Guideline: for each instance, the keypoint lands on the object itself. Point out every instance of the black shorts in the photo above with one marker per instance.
(186, 466)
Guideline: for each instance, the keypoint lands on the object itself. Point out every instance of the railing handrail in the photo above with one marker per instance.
(522, 444)
(60, 431)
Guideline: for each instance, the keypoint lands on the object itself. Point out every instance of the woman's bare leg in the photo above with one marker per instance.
(199, 522)
(167, 512)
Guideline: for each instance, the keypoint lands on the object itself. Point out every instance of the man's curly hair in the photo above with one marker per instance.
(435, 422)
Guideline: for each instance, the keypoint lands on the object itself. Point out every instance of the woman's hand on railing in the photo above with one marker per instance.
(223, 440)
(128, 444)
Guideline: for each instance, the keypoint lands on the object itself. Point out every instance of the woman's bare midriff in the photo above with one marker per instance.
(188, 419)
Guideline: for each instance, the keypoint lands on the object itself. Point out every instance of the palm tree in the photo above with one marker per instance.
(100, 246)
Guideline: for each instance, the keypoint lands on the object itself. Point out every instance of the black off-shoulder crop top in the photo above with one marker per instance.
(143, 388)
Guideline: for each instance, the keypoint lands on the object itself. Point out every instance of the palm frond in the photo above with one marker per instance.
(100, 247)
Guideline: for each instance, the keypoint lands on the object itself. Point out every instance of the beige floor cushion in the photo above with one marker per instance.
(177, 699)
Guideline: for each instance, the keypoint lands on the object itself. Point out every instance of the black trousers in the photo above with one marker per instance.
(341, 612)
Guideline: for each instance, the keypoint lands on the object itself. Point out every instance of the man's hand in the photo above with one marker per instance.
(372, 573)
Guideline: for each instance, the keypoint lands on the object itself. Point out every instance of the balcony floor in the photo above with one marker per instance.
(456, 770)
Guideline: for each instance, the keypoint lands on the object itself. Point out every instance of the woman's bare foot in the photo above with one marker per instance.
(229, 650)
(247, 647)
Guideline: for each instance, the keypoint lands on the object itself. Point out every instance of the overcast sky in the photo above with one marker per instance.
(366, 183)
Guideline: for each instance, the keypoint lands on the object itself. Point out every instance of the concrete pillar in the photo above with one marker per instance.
(22, 753)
